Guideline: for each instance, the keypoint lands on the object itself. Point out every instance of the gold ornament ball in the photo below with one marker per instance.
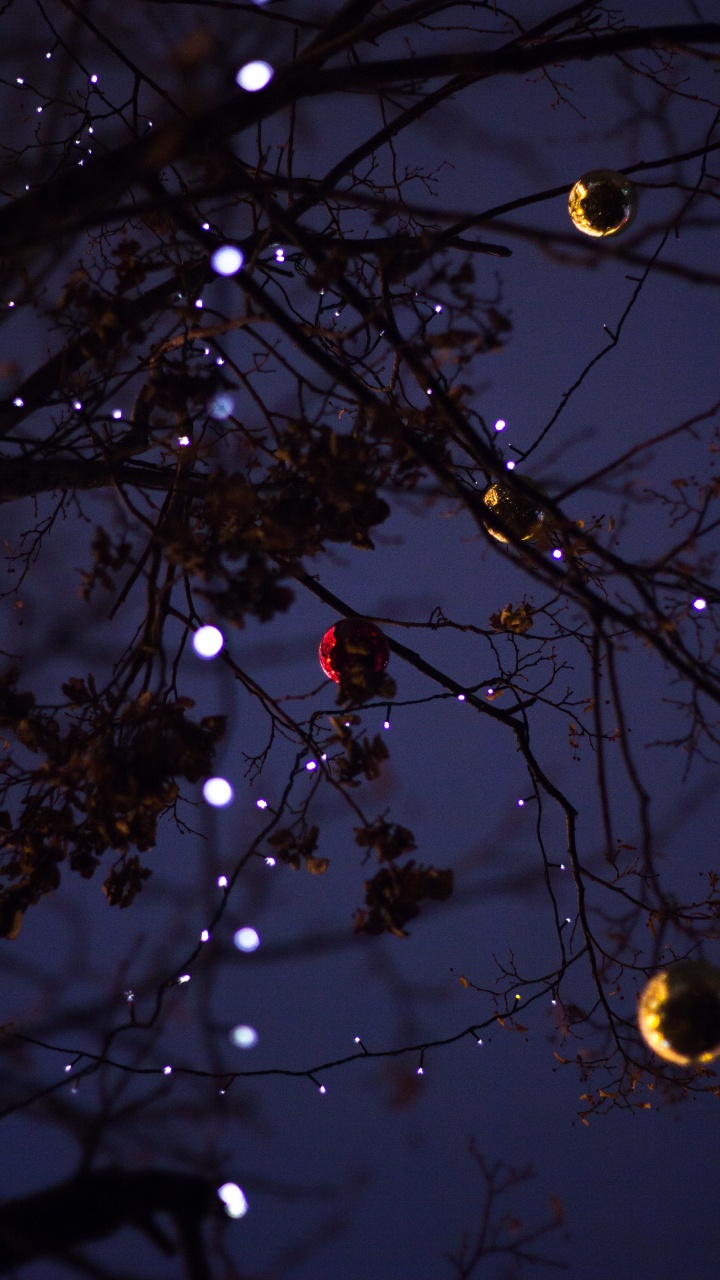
(602, 203)
(679, 1013)
(520, 514)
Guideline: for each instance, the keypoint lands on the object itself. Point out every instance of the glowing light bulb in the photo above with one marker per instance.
(227, 260)
(557, 554)
(208, 641)
(322, 1089)
(183, 441)
(233, 1198)
(261, 804)
(311, 765)
(699, 604)
(520, 804)
(222, 882)
(602, 203)
(218, 792)
(246, 939)
(117, 414)
(386, 724)
(205, 935)
(510, 465)
(461, 697)
(500, 425)
(18, 402)
(244, 1037)
(254, 76)
(184, 977)
(269, 862)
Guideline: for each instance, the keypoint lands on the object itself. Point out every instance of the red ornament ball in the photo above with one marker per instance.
(353, 643)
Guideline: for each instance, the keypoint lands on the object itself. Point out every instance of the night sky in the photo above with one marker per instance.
(374, 1177)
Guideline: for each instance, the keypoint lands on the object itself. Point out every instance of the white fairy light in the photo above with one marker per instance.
(233, 1198)
(18, 402)
(93, 79)
(206, 226)
(510, 465)
(246, 939)
(184, 977)
(184, 441)
(480, 1042)
(244, 1037)
(69, 1066)
(489, 693)
(500, 425)
(420, 1071)
(261, 804)
(557, 554)
(698, 604)
(77, 405)
(322, 1089)
(198, 302)
(438, 309)
(461, 697)
(227, 260)
(222, 882)
(167, 1071)
(386, 724)
(520, 804)
(269, 862)
(254, 76)
(19, 80)
(221, 406)
(279, 255)
(208, 641)
(311, 765)
(205, 935)
(218, 792)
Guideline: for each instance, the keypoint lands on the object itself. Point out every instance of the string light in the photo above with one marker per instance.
(167, 1071)
(226, 261)
(117, 414)
(205, 935)
(520, 804)
(557, 554)
(311, 765)
(221, 406)
(698, 604)
(461, 697)
(222, 882)
(269, 862)
(244, 1037)
(233, 1198)
(386, 724)
(218, 792)
(184, 977)
(246, 939)
(208, 641)
(18, 402)
(254, 76)
(510, 465)
(500, 425)
(261, 804)
(183, 441)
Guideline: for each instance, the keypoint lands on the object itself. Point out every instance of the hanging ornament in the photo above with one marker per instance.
(602, 203)
(679, 1013)
(354, 651)
(519, 514)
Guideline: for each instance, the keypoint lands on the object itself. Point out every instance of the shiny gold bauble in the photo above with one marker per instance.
(602, 203)
(519, 514)
(679, 1013)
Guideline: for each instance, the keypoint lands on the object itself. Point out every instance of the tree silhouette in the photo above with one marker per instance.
(239, 345)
